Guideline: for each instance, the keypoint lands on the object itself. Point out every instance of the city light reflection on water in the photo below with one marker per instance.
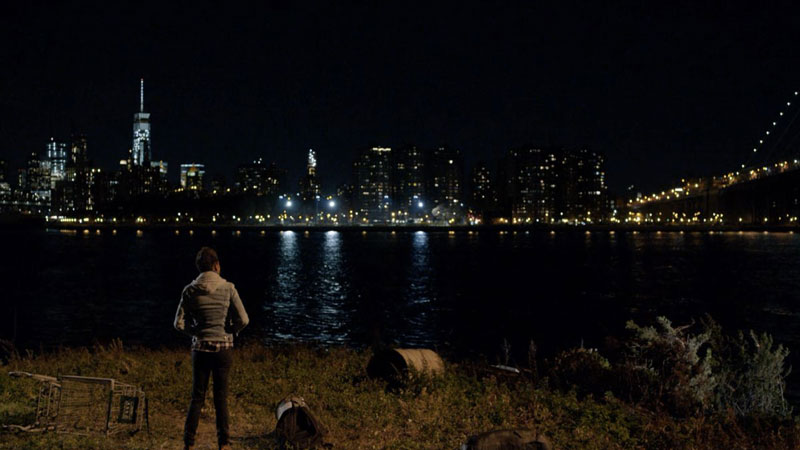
(284, 309)
(419, 326)
(308, 304)
(331, 283)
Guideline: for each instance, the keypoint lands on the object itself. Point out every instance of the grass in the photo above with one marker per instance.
(361, 413)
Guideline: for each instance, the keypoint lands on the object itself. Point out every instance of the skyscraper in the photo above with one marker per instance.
(141, 150)
(79, 150)
(483, 197)
(446, 168)
(579, 190)
(309, 184)
(57, 154)
(550, 185)
(37, 177)
(192, 176)
(5, 187)
(311, 168)
(373, 187)
(260, 179)
(530, 184)
(72, 193)
(409, 181)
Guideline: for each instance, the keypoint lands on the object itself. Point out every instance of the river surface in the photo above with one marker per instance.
(462, 294)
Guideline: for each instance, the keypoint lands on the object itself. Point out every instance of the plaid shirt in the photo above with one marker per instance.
(210, 346)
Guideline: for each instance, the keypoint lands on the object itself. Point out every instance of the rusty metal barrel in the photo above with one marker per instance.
(398, 363)
(508, 439)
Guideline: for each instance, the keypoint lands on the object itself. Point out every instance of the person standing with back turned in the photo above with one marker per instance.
(211, 312)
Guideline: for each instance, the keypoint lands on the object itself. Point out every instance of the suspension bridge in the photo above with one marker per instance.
(763, 191)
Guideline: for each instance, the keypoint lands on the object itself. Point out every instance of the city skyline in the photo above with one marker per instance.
(410, 185)
(140, 154)
(663, 94)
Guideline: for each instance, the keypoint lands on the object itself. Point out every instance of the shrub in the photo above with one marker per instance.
(669, 367)
(584, 370)
(752, 375)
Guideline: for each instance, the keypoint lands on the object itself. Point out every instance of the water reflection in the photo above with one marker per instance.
(419, 273)
(288, 268)
(418, 328)
(331, 287)
(307, 298)
(284, 293)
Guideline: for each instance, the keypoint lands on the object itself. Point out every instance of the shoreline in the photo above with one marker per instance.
(467, 229)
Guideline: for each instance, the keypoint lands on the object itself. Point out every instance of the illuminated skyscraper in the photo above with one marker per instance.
(312, 163)
(530, 172)
(408, 180)
(482, 190)
(37, 177)
(141, 150)
(373, 185)
(556, 185)
(309, 184)
(579, 192)
(160, 168)
(72, 193)
(57, 154)
(192, 176)
(260, 179)
(446, 169)
(78, 151)
(5, 187)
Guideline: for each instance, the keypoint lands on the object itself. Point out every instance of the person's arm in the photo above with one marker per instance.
(237, 314)
(184, 322)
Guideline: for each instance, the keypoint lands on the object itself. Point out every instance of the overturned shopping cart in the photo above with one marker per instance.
(86, 405)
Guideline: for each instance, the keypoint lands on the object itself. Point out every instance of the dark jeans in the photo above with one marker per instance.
(204, 365)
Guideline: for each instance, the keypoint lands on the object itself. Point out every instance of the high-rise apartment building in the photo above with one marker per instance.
(373, 188)
(260, 179)
(579, 190)
(408, 190)
(530, 184)
(446, 169)
(554, 185)
(482, 193)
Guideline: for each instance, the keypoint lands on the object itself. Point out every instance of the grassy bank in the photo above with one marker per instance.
(361, 413)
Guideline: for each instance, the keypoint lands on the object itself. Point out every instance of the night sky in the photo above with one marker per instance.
(663, 92)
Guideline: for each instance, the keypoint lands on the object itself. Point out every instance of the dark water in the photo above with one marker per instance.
(460, 293)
